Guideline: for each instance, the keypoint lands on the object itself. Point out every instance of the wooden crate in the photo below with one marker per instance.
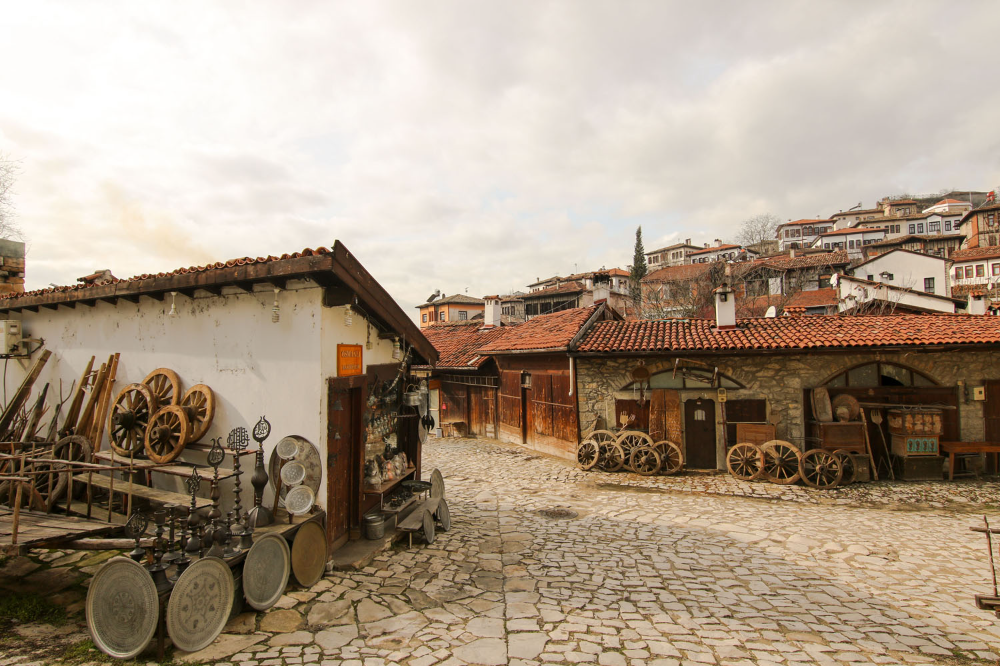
(849, 436)
(754, 433)
(914, 445)
(918, 468)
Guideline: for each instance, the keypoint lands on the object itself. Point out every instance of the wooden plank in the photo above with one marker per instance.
(73, 415)
(145, 492)
(174, 469)
(19, 397)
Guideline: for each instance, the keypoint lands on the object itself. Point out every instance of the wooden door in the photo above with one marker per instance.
(665, 415)
(991, 410)
(477, 416)
(527, 409)
(699, 434)
(343, 444)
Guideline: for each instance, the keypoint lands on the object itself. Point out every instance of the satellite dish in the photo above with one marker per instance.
(771, 313)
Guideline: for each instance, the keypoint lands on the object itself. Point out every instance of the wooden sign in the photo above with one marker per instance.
(349, 360)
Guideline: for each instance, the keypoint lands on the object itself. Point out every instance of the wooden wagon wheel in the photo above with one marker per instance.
(745, 461)
(603, 436)
(671, 458)
(820, 469)
(587, 454)
(30, 497)
(631, 439)
(612, 457)
(848, 464)
(167, 434)
(129, 418)
(165, 385)
(645, 460)
(199, 406)
(74, 448)
(781, 461)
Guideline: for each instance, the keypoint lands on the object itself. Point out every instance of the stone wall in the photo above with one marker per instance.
(11, 267)
(781, 378)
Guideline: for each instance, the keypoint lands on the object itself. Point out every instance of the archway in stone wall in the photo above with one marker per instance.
(880, 374)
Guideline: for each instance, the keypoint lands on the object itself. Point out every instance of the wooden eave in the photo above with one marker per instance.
(334, 270)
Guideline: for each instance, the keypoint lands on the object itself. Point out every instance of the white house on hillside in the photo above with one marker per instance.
(910, 270)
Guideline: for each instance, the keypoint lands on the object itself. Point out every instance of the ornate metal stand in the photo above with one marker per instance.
(159, 569)
(260, 515)
(171, 553)
(134, 529)
(214, 538)
(193, 484)
(183, 561)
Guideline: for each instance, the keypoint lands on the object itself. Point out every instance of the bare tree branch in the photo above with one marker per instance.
(8, 174)
(758, 230)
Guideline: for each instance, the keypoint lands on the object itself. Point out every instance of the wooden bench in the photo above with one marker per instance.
(414, 522)
(155, 495)
(958, 448)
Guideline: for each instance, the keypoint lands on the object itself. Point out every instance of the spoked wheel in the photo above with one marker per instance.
(587, 454)
(612, 457)
(781, 461)
(848, 464)
(603, 436)
(645, 460)
(75, 448)
(671, 459)
(745, 461)
(165, 385)
(198, 404)
(30, 497)
(821, 469)
(167, 434)
(632, 439)
(129, 419)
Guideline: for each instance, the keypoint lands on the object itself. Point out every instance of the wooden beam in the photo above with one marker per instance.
(186, 292)
(131, 299)
(278, 282)
(215, 290)
(90, 303)
(244, 286)
(109, 299)
(157, 296)
(335, 296)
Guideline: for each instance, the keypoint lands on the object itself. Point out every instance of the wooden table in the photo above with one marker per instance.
(954, 448)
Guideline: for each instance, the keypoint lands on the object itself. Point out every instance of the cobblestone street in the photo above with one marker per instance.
(548, 564)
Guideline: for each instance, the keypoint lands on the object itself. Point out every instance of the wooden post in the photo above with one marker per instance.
(14, 406)
(74, 407)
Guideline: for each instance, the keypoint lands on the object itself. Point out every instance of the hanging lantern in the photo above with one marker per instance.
(397, 351)
(173, 304)
(348, 316)
(276, 310)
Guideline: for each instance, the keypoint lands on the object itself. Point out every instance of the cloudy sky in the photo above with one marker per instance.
(474, 145)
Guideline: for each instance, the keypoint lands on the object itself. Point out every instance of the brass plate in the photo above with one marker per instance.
(199, 604)
(122, 608)
(307, 454)
(300, 500)
(437, 484)
(309, 554)
(293, 473)
(265, 571)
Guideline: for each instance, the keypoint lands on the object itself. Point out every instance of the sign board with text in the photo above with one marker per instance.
(349, 360)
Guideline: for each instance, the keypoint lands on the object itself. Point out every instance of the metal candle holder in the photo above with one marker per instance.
(238, 441)
(134, 529)
(260, 515)
(183, 561)
(193, 484)
(171, 553)
(215, 457)
(159, 569)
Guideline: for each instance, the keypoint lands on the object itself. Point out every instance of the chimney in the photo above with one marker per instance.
(718, 242)
(491, 316)
(976, 305)
(725, 308)
(12, 271)
(687, 241)
(602, 286)
(706, 246)
(791, 253)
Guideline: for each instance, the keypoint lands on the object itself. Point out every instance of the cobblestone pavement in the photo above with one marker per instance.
(546, 564)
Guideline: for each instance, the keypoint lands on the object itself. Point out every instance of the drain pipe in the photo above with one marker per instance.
(572, 375)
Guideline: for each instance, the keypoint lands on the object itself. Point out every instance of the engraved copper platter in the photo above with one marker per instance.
(307, 454)
(309, 554)
(265, 571)
(122, 608)
(199, 604)
(300, 500)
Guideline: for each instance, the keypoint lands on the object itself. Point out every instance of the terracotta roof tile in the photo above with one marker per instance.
(816, 332)
(551, 331)
(308, 252)
(798, 222)
(677, 273)
(458, 345)
(567, 288)
(989, 252)
(715, 248)
(808, 261)
(455, 299)
(813, 299)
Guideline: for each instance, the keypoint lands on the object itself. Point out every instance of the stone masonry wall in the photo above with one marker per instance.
(11, 267)
(780, 379)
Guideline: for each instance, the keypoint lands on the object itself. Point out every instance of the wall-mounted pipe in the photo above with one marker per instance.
(572, 375)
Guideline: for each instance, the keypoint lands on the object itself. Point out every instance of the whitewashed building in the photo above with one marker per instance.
(298, 338)
(909, 270)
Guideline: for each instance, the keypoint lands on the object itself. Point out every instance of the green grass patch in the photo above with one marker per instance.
(23, 608)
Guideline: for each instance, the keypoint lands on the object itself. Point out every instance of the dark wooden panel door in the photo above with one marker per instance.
(477, 418)
(699, 434)
(657, 417)
(991, 410)
(343, 439)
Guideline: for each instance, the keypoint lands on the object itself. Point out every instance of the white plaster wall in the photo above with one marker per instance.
(908, 270)
(254, 367)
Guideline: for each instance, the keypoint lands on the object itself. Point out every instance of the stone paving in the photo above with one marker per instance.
(546, 564)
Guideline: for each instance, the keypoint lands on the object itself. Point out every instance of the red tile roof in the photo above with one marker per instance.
(816, 332)
(546, 332)
(678, 273)
(724, 246)
(308, 252)
(458, 345)
(950, 201)
(813, 299)
(972, 253)
(567, 288)
(797, 222)
(807, 261)
(851, 230)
